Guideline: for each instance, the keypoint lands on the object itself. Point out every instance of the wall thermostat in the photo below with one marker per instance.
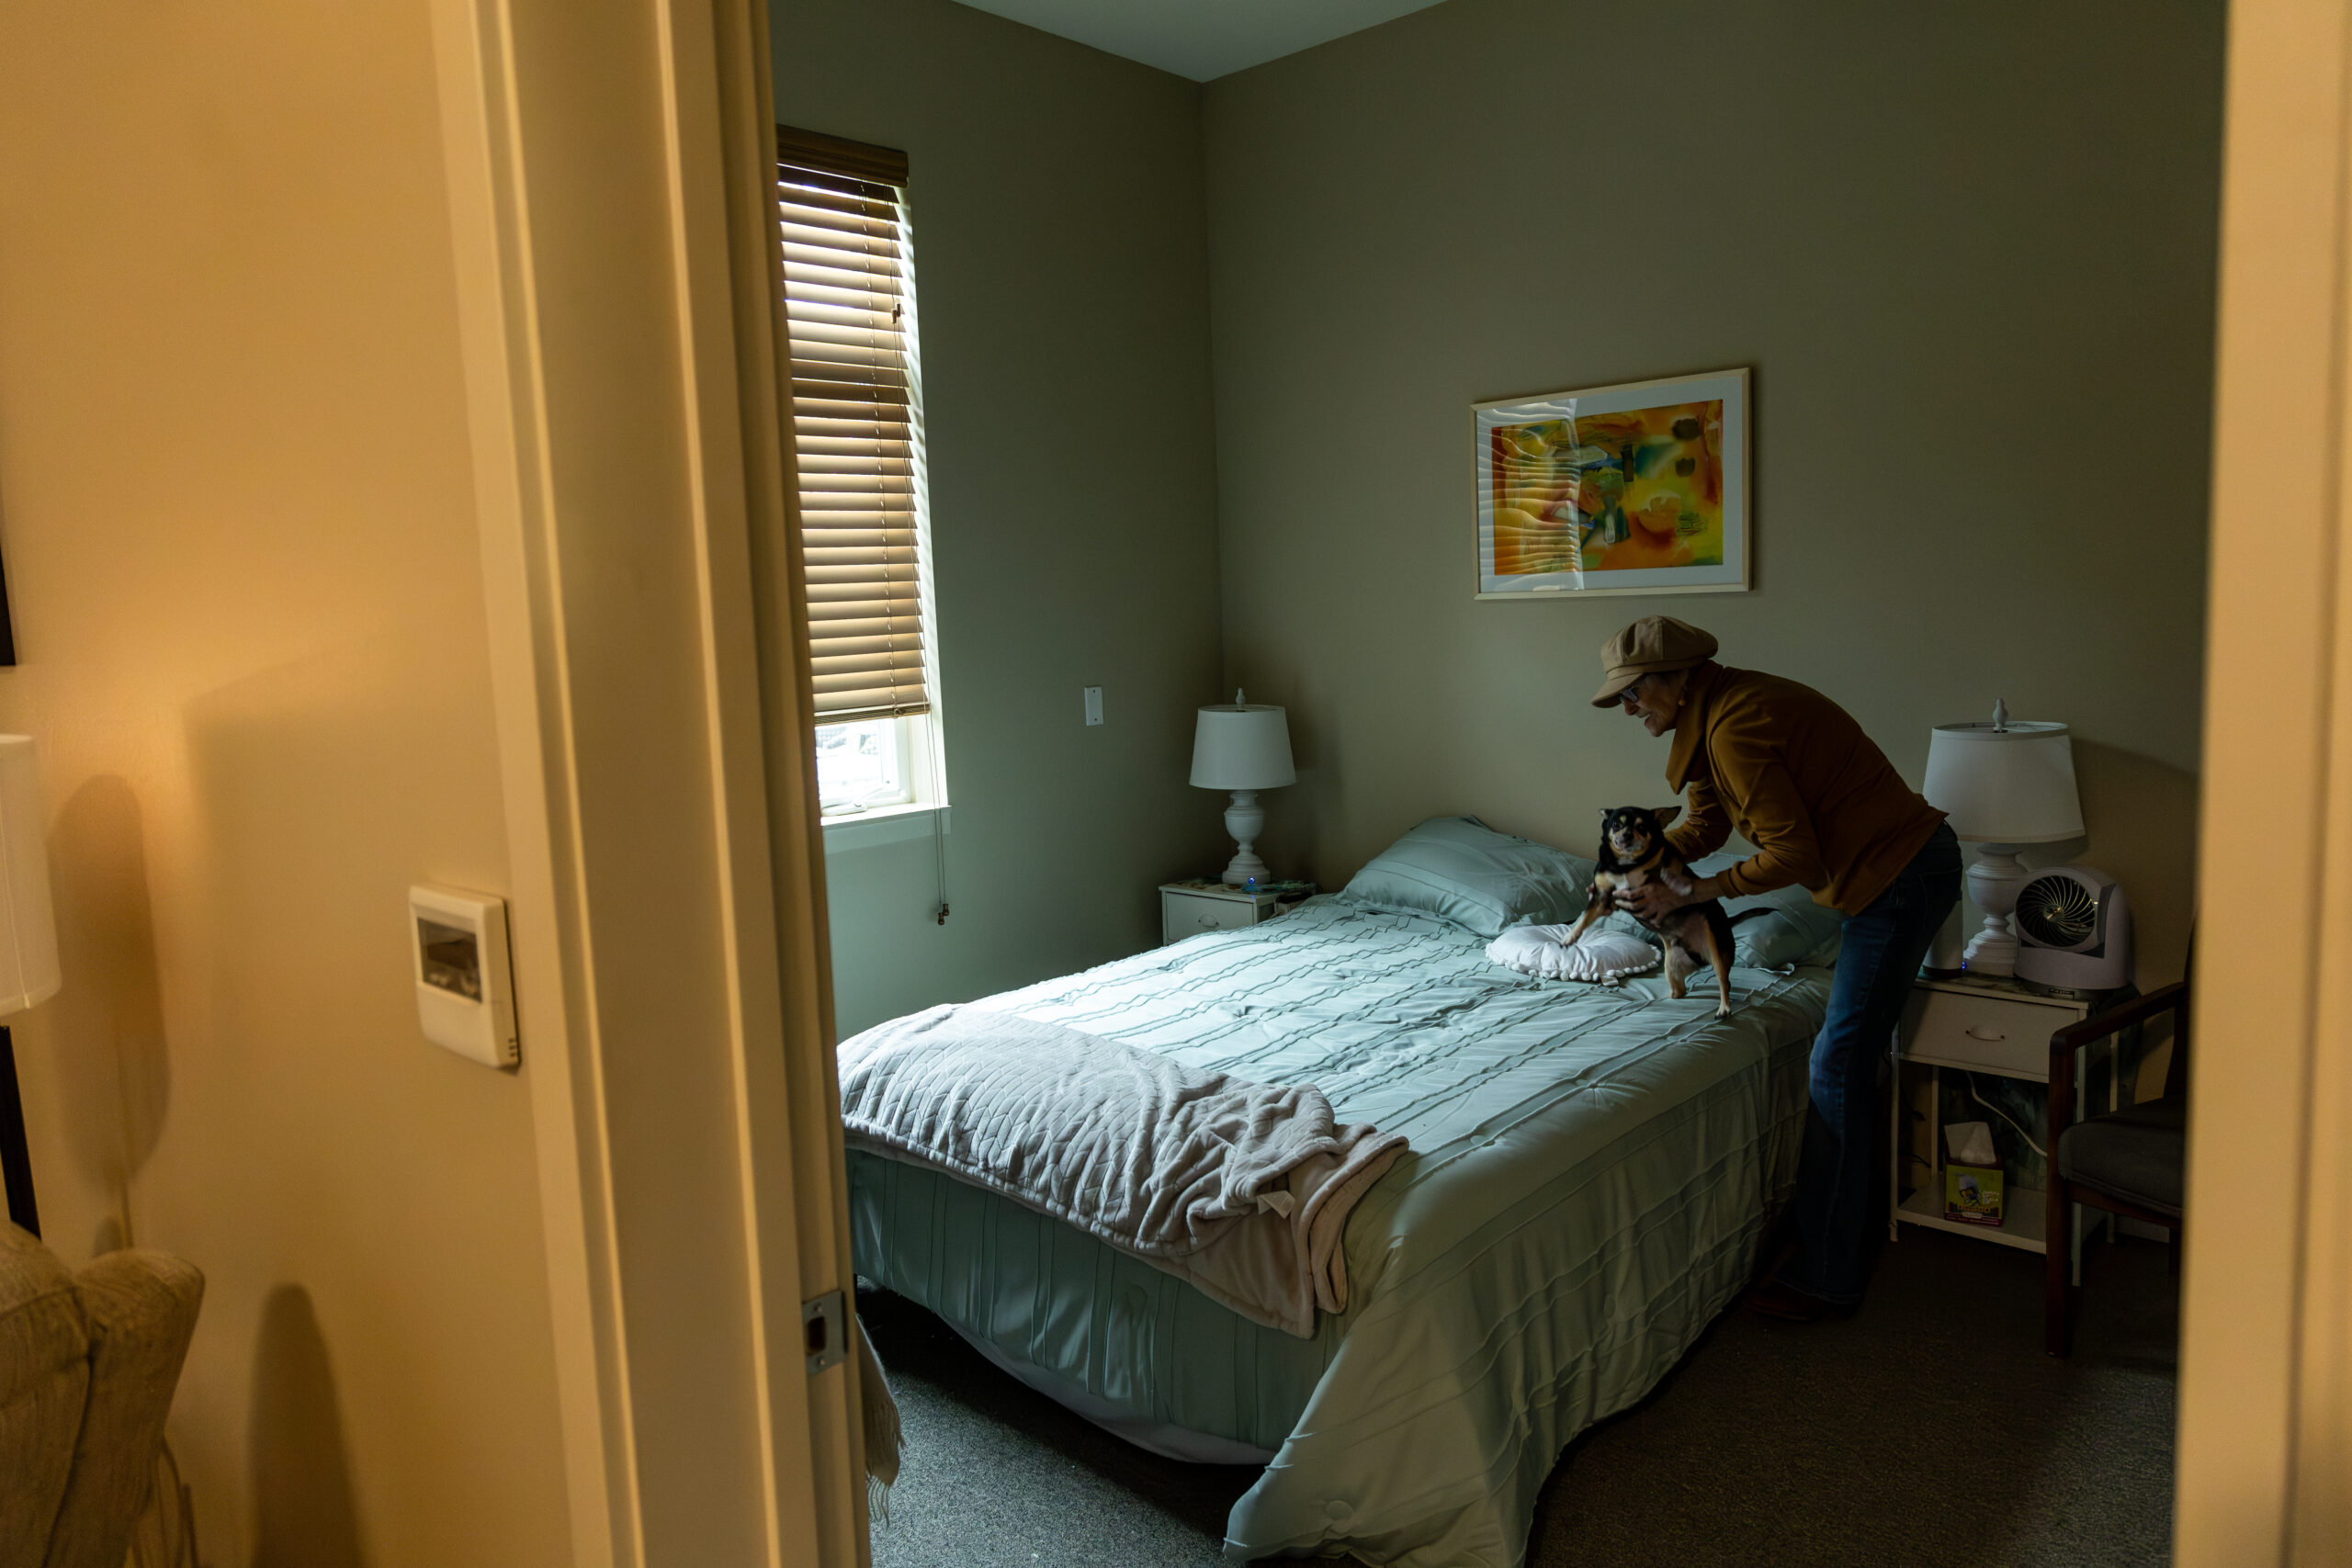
(465, 990)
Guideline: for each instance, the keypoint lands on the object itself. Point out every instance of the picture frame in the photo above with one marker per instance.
(1639, 488)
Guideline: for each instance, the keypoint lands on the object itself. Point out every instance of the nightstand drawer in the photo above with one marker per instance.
(1998, 1034)
(1181, 915)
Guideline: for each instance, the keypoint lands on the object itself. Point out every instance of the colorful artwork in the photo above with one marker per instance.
(1638, 488)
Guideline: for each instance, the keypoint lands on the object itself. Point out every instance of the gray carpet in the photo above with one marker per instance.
(1928, 1430)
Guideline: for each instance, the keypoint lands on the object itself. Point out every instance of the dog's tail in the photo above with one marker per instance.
(1751, 914)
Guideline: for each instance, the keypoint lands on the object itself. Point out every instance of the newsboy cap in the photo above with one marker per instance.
(1650, 645)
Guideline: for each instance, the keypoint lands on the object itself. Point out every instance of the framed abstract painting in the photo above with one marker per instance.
(1636, 488)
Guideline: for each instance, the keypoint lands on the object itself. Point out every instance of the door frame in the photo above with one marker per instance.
(2265, 1423)
(611, 175)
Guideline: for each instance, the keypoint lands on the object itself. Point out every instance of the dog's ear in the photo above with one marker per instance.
(1666, 815)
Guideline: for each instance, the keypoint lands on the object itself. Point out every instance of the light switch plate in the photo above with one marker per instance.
(465, 984)
(1093, 704)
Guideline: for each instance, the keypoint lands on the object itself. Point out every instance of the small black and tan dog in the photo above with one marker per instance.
(1633, 852)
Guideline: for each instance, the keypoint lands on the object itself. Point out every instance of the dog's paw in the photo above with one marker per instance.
(1722, 1009)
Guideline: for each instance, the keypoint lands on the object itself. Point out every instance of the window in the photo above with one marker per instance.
(857, 436)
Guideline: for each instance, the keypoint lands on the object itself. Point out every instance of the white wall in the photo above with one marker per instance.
(237, 512)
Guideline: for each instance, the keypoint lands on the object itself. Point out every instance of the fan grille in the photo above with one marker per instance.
(2057, 912)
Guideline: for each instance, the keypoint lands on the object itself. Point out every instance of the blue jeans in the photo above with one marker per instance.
(1877, 960)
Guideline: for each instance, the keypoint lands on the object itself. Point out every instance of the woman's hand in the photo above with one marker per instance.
(1653, 901)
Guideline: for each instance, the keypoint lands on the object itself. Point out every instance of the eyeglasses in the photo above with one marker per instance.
(1631, 689)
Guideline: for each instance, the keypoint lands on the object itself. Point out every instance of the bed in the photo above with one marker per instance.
(1589, 1174)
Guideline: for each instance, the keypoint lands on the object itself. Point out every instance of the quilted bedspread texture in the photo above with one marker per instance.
(1590, 1173)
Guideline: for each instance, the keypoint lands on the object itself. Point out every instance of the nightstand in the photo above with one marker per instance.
(1205, 904)
(1996, 1027)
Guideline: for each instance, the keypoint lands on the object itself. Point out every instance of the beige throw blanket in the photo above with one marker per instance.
(1241, 1189)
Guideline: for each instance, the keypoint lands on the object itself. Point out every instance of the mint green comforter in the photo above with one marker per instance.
(1590, 1173)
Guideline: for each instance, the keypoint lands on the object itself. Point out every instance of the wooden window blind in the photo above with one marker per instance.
(856, 420)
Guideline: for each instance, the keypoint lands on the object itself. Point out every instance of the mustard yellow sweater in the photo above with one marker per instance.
(1795, 775)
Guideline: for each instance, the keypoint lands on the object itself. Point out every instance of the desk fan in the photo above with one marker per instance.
(2074, 930)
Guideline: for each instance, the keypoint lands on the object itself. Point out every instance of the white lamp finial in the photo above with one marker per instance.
(2000, 714)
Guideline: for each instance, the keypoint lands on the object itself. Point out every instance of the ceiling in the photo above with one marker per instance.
(1202, 39)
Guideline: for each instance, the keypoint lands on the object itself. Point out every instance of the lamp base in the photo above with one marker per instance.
(1244, 869)
(1994, 884)
(1991, 952)
(1245, 819)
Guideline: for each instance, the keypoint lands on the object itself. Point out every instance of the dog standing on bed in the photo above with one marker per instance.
(1633, 852)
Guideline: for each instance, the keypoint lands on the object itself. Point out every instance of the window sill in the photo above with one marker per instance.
(882, 825)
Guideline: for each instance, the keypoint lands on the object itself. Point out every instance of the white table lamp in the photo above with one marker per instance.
(2004, 785)
(1245, 747)
(28, 972)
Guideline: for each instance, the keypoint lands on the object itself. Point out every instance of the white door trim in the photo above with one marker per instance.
(2262, 1449)
(611, 192)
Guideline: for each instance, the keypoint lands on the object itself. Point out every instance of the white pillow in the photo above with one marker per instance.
(1604, 955)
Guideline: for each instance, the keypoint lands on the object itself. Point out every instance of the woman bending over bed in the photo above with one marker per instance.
(1793, 773)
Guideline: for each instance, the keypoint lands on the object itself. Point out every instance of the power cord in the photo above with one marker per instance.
(2003, 1115)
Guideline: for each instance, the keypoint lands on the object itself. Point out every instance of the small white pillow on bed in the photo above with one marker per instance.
(1604, 955)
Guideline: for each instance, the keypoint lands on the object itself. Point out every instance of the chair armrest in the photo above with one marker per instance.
(2065, 1041)
(2074, 1036)
(141, 1308)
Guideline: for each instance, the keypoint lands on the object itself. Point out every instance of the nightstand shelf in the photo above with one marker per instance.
(2025, 1211)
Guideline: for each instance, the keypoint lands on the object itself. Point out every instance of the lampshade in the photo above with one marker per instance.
(2006, 783)
(1242, 746)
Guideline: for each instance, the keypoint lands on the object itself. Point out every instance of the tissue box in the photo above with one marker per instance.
(1973, 1194)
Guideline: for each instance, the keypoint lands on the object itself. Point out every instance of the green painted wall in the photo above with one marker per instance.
(1061, 265)
(1969, 253)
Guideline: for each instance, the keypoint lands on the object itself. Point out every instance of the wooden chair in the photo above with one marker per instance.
(2128, 1162)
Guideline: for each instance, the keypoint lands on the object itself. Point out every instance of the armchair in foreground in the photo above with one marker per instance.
(88, 1360)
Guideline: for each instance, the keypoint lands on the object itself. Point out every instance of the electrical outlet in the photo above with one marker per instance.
(1093, 704)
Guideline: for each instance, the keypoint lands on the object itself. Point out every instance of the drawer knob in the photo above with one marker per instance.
(1978, 1031)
